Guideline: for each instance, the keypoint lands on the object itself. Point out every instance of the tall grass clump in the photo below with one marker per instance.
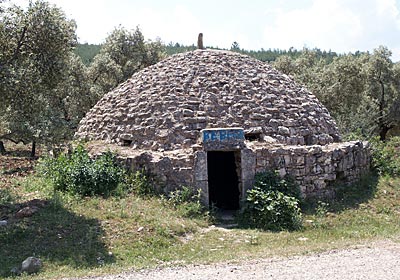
(141, 183)
(80, 174)
(187, 202)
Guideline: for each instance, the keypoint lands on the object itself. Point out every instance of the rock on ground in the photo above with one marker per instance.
(31, 265)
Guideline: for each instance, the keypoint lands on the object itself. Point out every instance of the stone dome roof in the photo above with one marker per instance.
(164, 106)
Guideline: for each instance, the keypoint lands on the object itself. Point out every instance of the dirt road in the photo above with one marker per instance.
(377, 261)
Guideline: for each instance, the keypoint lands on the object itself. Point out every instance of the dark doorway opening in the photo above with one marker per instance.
(223, 181)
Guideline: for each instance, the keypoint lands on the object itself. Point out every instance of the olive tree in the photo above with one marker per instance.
(361, 91)
(123, 53)
(382, 88)
(35, 46)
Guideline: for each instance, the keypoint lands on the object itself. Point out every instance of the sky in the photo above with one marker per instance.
(338, 25)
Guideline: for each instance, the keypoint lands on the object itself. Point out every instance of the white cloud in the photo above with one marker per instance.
(182, 26)
(339, 25)
(387, 7)
(177, 24)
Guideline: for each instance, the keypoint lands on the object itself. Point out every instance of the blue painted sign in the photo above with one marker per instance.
(222, 134)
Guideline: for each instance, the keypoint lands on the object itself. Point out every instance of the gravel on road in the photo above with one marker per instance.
(375, 261)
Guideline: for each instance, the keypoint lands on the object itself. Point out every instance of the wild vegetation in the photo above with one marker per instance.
(79, 174)
(92, 235)
(91, 217)
(272, 204)
(362, 92)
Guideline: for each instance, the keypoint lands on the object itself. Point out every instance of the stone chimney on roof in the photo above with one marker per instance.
(200, 45)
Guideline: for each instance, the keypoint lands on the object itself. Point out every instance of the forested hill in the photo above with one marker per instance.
(267, 55)
(88, 51)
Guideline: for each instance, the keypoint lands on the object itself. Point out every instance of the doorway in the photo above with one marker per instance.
(223, 180)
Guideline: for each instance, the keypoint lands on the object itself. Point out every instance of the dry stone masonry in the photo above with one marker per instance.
(160, 119)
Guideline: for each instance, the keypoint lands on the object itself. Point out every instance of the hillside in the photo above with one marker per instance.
(88, 51)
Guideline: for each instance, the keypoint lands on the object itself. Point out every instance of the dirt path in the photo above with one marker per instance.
(377, 261)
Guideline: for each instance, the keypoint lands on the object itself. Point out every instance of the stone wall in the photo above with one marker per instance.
(316, 168)
(170, 169)
(165, 118)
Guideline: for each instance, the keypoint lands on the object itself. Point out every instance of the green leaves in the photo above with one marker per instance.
(361, 91)
(35, 46)
(45, 88)
(386, 156)
(271, 181)
(80, 174)
(272, 204)
(270, 210)
(124, 53)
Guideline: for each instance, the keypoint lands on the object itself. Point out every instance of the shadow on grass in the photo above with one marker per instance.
(18, 151)
(19, 170)
(54, 234)
(347, 196)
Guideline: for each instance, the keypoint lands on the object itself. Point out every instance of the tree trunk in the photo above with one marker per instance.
(33, 151)
(383, 130)
(382, 134)
(2, 149)
(382, 126)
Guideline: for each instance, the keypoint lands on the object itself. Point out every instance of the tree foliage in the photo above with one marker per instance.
(361, 91)
(45, 88)
(382, 90)
(235, 47)
(87, 52)
(34, 47)
(124, 53)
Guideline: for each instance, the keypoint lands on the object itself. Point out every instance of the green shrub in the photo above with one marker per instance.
(183, 195)
(55, 170)
(270, 210)
(271, 204)
(187, 201)
(386, 156)
(79, 174)
(272, 181)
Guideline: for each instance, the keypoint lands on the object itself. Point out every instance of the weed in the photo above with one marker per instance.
(6, 197)
(267, 207)
(140, 183)
(272, 181)
(322, 209)
(386, 155)
(80, 174)
(254, 240)
(270, 210)
(123, 213)
(79, 236)
(187, 201)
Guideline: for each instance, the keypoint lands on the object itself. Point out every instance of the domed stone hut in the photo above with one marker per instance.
(213, 119)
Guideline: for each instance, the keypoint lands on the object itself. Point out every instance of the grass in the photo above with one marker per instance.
(92, 236)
